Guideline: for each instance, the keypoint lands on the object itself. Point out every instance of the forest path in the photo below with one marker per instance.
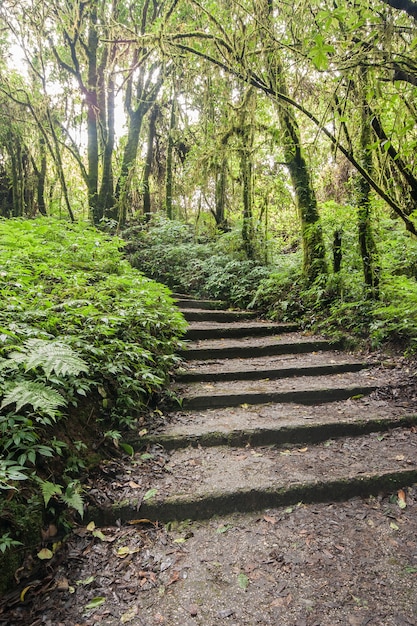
(251, 504)
(270, 416)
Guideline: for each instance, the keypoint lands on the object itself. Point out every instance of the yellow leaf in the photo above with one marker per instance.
(123, 551)
(129, 615)
(394, 526)
(45, 554)
(23, 593)
(91, 526)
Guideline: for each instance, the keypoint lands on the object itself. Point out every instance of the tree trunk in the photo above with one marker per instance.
(148, 163)
(369, 254)
(106, 201)
(220, 194)
(170, 155)
(92, 111)
(314, 255)
(247, 184)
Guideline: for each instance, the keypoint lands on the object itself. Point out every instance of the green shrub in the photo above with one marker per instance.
(166, 251)
(76, 319)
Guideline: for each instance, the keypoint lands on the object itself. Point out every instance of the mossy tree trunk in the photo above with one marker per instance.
(170, 161)
(314, 254)
(148, 163)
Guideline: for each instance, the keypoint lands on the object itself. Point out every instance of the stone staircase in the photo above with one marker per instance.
(269, 416)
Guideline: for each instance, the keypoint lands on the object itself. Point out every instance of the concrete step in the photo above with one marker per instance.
(302, 389)
(250, 348)
(258, 328)
(269, 372)
(198, 483)
(207, 315)
(192, 303)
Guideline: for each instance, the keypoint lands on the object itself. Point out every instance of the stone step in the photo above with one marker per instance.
(248, 347)
(258, 328)
(303, 389)
(207, 315)
(211, 375)
(192, 303)
(198, 483)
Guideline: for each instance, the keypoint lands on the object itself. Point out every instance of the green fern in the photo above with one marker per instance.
(51, 356)
(49, 490)
(73, 498)
(37, 395)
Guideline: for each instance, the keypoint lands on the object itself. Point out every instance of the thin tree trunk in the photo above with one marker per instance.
(148, 163)
(170, 154)
(92, 112)
(220, 195)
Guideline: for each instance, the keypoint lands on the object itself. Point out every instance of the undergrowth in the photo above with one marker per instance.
(336, 304)
(217, 268)
(82, 335)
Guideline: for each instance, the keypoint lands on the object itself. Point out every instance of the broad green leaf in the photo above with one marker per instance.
(127, 448)
(320, 52)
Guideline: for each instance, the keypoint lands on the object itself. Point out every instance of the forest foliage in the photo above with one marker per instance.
(85, 343)
(258, 152)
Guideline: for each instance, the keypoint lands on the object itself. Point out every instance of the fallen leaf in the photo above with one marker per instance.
(401, 499)
(133, 522)
(45, 554)
(95, 603)
(123, 551)
(223, 528)
(174, 578)
(394, 526)
(129, 615)
(150, 494)
(99, 535)
(270, 519)
(86, 581)
(243, 581)
(134, 485)
(302, 449)
(24, 592)
(91, 526)
(62, 584)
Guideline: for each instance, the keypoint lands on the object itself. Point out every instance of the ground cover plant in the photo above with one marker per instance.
(211, 265)
(85, 342)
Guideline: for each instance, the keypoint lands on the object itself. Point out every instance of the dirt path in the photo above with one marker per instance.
(281, 491)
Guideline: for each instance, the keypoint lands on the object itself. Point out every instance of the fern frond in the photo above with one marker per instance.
(49, 490)
(37, 395)
(73, 498)
(51, 356)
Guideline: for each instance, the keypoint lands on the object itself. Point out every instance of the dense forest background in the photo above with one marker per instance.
(259, 152)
